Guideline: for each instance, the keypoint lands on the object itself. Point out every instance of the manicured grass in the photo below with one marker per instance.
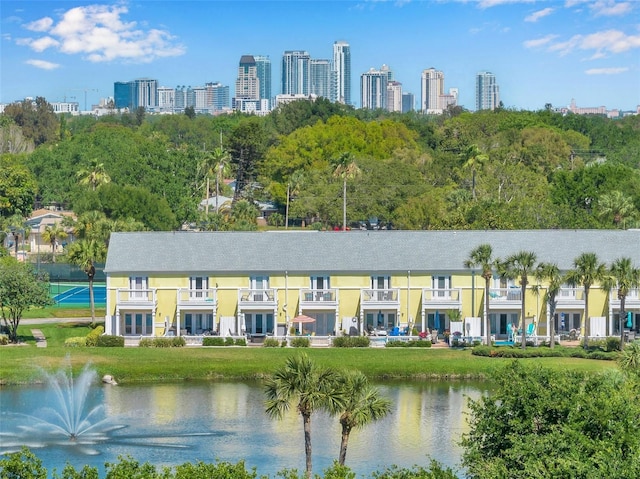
(20, 364)
(66, 311)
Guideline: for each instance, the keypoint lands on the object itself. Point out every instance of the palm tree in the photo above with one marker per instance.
(94, 175)
(302, 383)
(616, 206)
(294, 184)
(624, 277)
(473, 160)
(519, 265)
(586, 271)
(347, 169)
(243, 215)
(85, 253)
(214, 165)
(52, 234)
(481, 257)
(550, 274)
(363, 405)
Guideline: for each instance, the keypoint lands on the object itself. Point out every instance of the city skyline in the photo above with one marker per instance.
(540, 51)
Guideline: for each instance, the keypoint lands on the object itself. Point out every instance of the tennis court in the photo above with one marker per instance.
(78, 294)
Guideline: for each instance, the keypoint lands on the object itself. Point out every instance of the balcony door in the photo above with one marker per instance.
(442, 286)
(380, 284)
(257, 285)
(198, 286)
(319, 286)
(138, 286)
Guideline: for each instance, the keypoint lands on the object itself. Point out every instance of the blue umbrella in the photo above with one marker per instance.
(629, 322)
(436, 321)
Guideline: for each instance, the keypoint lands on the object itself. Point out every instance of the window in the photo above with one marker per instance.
(138, 287)
(380, 282)
(138, 323)
(259, 284)
(198, 286)
(320, 282)
(441, 286)
(198, 323)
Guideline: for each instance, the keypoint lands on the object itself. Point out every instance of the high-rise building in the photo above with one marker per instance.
(321, 78)
(263, 70)
(432, 86)
(166, 99)
(247, 83)
(408, 102)
(217, 96)
(394, 96)
(296, 72)
(341, 75)
(373, 88)
(487, 91)
(135, 94)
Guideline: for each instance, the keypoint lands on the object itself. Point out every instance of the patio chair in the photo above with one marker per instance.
(395, 331)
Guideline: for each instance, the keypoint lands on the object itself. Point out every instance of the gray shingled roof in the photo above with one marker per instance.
(357, 251)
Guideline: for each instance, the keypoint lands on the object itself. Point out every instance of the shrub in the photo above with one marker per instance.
(94, 334)
(412, 343)
(175, 342)
(75, 342)
(145, 343)
(613, 344)
(396, 344)
(300, 342)
(240, 342)
(229, 341)
(602, 355)
(178, 342)
(108, 341)
(212, 341)
(351, 342)
(271, 343)
(4, 339)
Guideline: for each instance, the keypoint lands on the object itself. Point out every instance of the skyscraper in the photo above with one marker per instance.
(135, 94)
(432, 86)
(341, 73)
(408, 102)
(487, 91)
(296, 72)
(394, 96)
(247, 83)
(373, 88)
(321, 78)
(263, 70)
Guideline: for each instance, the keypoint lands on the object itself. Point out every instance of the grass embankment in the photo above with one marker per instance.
(66, 311)
(21, 364)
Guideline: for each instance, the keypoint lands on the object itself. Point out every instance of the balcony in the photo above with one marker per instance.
(190, 298)
(257, 298)
(505, 298)
(571, 298)
(441, 298)
(632, 300)
(318, 299)
(136, 298)
(380, 298)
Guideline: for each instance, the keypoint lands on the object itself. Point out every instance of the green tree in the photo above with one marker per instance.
(93, 175)
(346, 168)
(549, 273)
(623, 277)
(587, 270)
(53, 233)
(616, 207)
(629, 359)
(308, 387)
(363, 405)
(20, 289)
(480, 257)
(295, 183)
(474, 160)
(519, 265)
(243, 216)
(214, 165)
(85, 253)
(36, 118)
(17, 188)
(22, 465)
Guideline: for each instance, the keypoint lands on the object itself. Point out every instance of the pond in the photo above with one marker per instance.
(173, 423)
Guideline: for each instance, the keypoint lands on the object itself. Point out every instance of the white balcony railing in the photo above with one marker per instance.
(497, 295)
(632, 300)
(319, 296)
(570, 297)
(187, 296)
(379, 296)
(136, 297)
(446, 295)
(257, 296)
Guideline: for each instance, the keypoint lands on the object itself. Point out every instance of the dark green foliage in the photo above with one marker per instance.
(108, 341)
(543, 352)
(22, 465)
(69, 472)
(412, 343)
(434, 471)
(300, 342)
(539, 423)
(212, 341)
(271, 343)
(229, 341)
(240, 342)
(175, 342)
(351, 342)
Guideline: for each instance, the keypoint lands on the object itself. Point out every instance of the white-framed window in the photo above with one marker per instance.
(138, 323)
(259, 282)
(380, 282)
(198, 323)
(320, 282)
(138, 286)
(198, 286)
(441, 286)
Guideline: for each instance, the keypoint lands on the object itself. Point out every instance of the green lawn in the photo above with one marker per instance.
(66, 311)
(20, 364)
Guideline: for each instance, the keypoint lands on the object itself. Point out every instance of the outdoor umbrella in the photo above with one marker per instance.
(436, 321)
(303, 318)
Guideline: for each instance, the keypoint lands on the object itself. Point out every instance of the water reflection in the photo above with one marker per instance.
(427, 420)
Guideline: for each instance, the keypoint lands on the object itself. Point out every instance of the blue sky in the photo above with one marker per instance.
(541, 51)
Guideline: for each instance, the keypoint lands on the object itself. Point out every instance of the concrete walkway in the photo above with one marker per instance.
(41, 341)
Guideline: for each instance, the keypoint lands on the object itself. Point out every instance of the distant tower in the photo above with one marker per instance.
(487, 91)
(321, 78)
(247, 83)
(373, 88)
(408, 102)
(394, 96)
(263, 71)
(296, 72)
(432, 87)
(341, 73)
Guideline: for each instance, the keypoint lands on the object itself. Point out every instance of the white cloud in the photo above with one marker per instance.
(610, 8)
(99, 33)
(535, 16)
(495, 3)
(539, 42)
(606, 71)
(42, 25)
(44, 65)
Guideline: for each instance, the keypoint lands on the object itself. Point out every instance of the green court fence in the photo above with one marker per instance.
(65, 272)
